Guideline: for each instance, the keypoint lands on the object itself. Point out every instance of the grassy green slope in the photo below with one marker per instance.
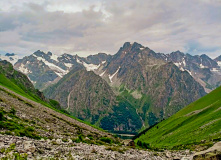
(10, 85)
(201, 120)
(4, 81)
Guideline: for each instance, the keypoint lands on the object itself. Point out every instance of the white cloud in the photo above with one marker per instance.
(82, 26)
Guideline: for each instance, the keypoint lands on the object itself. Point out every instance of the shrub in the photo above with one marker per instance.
(106, 140)
(143, 144)
(118, 149)
(64, 140)
(1, 116)
(13, 111)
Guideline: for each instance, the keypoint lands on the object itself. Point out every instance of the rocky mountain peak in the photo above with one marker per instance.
(204, 56)
(129, 50)
(9, 54)
(218, 58)
(137, 45)
(177, 54)
(127, 45)
(132, 46)
(207, 61)
(39, 53)
(49, 53)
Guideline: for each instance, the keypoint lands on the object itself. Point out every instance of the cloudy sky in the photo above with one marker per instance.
(91, 26)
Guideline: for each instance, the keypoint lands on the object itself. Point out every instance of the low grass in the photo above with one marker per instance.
(197, 124)
(15, 126)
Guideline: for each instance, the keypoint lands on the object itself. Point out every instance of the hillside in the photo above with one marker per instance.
(198, 124)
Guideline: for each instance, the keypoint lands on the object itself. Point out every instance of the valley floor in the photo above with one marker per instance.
(13, 146)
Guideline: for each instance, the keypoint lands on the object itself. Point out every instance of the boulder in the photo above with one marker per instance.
(29, 146)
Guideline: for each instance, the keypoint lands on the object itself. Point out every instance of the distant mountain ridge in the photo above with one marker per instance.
(44, 69)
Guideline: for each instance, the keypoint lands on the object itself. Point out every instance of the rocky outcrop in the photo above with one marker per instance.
(213, 153)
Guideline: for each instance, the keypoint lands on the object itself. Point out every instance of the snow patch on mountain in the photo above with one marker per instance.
(102, 73)
(54, 57)
(202, 66)
(112, 76)
(89, 67)
(69, 65)
(188, 71)
(184, 62)
(24, 70)
(178, 64)
(59, 71)
(219, 63)
(182, 69)
(214, 70)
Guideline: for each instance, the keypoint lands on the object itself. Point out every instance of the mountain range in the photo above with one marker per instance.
(44, 69)
(127, 91)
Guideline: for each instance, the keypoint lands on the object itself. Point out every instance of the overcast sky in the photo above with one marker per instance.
(91, 26)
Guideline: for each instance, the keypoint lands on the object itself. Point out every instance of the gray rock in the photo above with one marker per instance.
(29, 146)
(2, 144)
